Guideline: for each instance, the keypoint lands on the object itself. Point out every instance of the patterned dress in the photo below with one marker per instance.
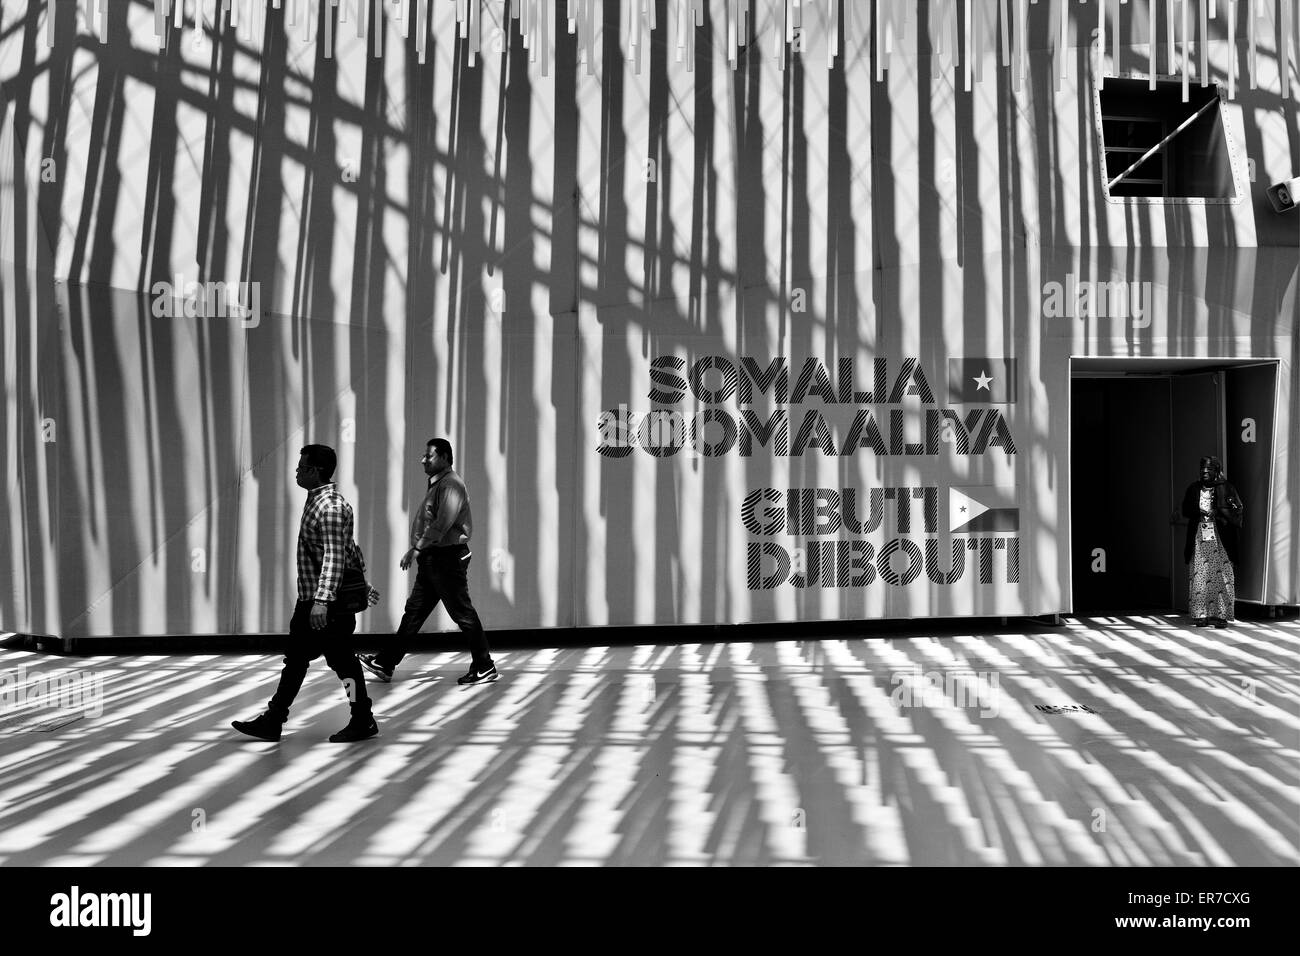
(1212, 587)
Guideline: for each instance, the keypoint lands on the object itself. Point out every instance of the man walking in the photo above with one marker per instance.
(320, 625)
(440, 548)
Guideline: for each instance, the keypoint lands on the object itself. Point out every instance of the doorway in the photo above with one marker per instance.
(1138, 429)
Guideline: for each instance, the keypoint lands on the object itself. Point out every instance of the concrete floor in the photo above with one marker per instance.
(1109, 741)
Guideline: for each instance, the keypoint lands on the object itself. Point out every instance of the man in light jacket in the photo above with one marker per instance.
(440, 537)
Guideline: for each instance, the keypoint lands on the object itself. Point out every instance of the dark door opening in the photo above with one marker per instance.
(1137, 431)
(1119, 494)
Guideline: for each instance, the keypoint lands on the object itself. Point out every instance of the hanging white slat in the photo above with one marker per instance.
(967, 65)
(1022, 19)
(882, 20)
(1101, 44)
(1115, 62)
(832, 48)
(959, 32)
(1205, 44)
(1183, 52)
(1232, 48)
(1062, 8)
(1250, 20)
(591, 37)
(681, 29)
(1151, 44)
(1171, 15)
(1284, 48)
(545, 37)
(421, 28)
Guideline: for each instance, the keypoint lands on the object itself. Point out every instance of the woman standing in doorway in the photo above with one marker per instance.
(1214, 512)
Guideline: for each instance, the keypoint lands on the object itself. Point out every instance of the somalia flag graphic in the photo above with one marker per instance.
(989, 381)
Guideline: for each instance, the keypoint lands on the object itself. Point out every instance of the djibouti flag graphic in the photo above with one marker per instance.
(969, 515)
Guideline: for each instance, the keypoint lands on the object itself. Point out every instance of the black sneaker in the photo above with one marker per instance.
(358, 728)
(385, 674)
(479, 675)
(263, 726)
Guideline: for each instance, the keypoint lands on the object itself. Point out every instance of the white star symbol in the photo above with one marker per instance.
(982, 380)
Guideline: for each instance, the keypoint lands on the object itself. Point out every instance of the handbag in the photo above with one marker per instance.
(354, 591)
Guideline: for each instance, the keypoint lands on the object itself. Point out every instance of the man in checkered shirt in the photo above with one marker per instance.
(320, 625)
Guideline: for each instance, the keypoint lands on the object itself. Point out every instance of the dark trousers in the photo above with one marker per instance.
(441, 574)
(305, 645)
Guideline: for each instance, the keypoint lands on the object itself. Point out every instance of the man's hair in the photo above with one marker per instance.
(443, 448)
(322, 458)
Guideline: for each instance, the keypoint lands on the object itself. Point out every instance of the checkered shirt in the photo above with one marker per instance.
(325, 545)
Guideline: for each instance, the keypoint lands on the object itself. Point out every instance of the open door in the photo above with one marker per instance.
(1138, 430)
(1250, 397)
(1119, 494)
(1196, 420)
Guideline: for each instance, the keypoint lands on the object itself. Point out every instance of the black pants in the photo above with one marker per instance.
(305, 645)
(441, 575)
